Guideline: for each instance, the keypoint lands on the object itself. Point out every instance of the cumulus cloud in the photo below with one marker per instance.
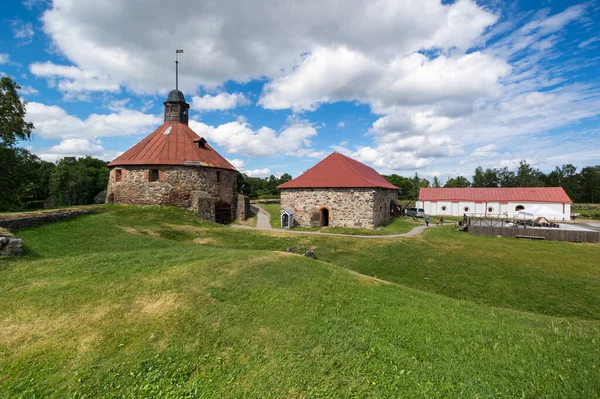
(240, 165)
(53, 122)
(22, 31)
(219, 102)
(268, 38)
(3, 58)
(77, 148)
(239, 137)
(443, 79)
(74, 80)
(331, 75)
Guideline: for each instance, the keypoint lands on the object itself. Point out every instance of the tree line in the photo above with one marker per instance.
(582, 186)
(26, 181)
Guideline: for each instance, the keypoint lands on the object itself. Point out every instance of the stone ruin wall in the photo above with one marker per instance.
(358, 207)
(383, 198)
(189, 187)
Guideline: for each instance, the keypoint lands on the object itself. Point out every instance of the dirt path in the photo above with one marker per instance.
(264, 223)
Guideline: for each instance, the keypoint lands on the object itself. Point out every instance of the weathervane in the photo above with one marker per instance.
(177, 69)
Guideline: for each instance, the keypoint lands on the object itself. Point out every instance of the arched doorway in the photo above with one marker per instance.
(222, 213)
(324, 220)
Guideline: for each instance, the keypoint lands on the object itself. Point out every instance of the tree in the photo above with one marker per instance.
(589, 185)
(506, 178)
(487, 178)
(77, 181)
(458, 182)
(528, 176)
(436, 182)
(12, 114)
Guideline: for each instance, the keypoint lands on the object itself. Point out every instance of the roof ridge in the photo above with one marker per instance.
(345, 158)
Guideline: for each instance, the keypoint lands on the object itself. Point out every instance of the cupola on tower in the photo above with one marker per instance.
(174, 166)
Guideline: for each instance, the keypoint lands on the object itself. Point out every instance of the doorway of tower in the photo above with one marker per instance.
(222, 213)
(324, 220)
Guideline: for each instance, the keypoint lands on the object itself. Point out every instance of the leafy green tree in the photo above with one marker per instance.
(436, 182)
(589, 185)
(487, 178)
(528, 176)
(12, 114)
(77, 181)
(506, 178)
(458, 182)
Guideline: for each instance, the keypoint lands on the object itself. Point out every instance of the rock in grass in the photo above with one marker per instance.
(310, 254)
(11, 246)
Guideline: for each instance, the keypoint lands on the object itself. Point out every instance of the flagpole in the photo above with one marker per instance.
(177, 51)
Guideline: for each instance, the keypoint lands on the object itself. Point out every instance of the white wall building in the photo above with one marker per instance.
(491, 202)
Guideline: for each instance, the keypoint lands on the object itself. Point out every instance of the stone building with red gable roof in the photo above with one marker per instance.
(174, 166)
(340, 192)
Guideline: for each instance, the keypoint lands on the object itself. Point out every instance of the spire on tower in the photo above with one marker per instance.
(177, 51)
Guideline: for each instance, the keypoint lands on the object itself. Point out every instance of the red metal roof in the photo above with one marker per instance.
(338, 170)
(505, 194)
(173, 143)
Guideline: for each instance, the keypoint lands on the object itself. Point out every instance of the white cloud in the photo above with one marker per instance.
(331, 75)
(22, 31)
(52, 121)
(28, 90)
(265, 172)
(341, 124)
(267, 37)
(77, 148)
(485, 151)
(219, 102)
(240, 165)
(73, 80)
(4, 58)
(239, 137)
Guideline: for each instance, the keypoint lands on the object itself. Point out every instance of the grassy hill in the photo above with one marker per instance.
(151, 302)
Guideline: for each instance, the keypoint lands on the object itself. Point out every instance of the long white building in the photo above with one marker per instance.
(491, 202)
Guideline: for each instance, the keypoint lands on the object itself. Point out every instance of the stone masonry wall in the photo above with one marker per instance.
(347, 207)
(383, 198)
(359, 207)
(175, 186)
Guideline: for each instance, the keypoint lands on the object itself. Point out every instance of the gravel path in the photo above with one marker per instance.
(264, 223)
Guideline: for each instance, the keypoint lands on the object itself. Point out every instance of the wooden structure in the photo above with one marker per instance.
(499, 228)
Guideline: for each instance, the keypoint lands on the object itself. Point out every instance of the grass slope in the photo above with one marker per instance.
(148, 302)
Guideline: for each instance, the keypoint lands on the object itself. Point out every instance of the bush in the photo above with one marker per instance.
(100, 198)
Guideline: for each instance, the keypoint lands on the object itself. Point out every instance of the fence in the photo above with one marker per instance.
(502, 228)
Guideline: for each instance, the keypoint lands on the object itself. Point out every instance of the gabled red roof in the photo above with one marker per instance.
(338, 171)
(505, 194)
(173, 143)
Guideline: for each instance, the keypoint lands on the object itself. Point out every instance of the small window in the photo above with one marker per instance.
(444, 208)
(519, 208)
(490, 209)
(118, 175)
(218, 176)
(153, 175)
(466, 209)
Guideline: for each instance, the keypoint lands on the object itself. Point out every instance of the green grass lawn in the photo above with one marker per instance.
(150, 302)
(397, 226)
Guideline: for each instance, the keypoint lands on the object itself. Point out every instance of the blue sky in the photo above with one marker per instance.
(422, 86)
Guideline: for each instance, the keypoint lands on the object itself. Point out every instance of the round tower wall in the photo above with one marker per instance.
(173, 185)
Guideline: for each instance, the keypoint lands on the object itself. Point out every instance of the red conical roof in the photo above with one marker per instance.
(173, 143)
(337, 171)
